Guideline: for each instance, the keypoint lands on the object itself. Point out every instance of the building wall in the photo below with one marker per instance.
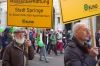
(98, 22)
(58, 22)
(2, 1)
(3, 14)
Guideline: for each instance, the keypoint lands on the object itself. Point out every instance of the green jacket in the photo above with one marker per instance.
(53, 39)
(39, 42)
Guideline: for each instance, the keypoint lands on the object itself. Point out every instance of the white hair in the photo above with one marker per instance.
(77, 26)
(52, 30)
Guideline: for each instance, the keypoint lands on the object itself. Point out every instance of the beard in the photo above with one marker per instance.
(20, 41)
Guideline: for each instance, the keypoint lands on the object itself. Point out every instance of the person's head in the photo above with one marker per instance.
(81, 31)
(52, 31)
(6, 31)
(19, 36)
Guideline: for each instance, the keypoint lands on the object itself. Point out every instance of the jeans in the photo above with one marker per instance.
(43, 53)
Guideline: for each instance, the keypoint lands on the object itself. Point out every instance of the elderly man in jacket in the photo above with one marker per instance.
(77, 53)
(16, 53)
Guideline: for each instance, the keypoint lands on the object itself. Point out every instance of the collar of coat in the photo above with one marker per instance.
(15, 44)
(75, 43)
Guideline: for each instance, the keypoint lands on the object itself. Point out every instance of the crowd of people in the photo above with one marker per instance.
(52, 40)
(22, 44)
(43, 42)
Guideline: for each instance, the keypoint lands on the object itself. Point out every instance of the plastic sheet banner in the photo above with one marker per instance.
(30, 13)
(73, 10)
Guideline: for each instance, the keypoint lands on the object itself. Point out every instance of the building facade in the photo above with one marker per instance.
(3, 13)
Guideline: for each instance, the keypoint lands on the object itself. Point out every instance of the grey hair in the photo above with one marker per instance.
(77, 26)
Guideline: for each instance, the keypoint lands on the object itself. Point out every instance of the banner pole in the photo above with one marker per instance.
(92, 32)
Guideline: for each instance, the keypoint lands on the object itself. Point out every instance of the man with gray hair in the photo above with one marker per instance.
(77, 53)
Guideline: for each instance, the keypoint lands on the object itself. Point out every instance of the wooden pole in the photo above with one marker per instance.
(92, 33)
(27, 38)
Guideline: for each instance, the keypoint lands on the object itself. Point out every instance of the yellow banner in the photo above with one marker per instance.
(73, 10)
(30, 13)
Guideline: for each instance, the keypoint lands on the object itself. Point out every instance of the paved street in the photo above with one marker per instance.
(54, 61)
